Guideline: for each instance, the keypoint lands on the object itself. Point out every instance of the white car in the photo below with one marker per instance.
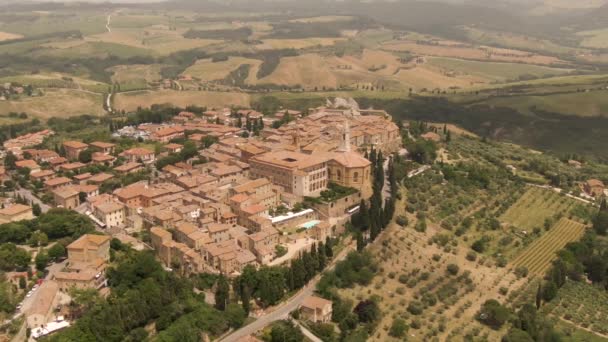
(29, 294)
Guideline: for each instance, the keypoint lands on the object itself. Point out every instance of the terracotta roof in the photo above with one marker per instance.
(128, 167)
(110, 207)
(14, 209)
(42, 174)
(57, 181)
(173, 146)
(351, 159)
(75, 144)
(30, 164)
(100, 177)
(102, 145)
(89, 241)
(314, 302)
(218, 227)
(139, 151)
(240, 198)
(73, 166)
(83, 176)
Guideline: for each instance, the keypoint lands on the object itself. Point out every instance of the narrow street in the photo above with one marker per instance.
(27, 194)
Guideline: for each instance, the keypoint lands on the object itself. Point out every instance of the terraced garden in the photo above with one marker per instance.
(537, 257)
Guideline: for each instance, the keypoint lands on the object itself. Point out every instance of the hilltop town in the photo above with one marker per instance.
(237, 188)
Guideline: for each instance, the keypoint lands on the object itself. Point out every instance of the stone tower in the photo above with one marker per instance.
(345, 138)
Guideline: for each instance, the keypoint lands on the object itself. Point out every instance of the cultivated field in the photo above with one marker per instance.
(56, 103)
(581, 304)
(413, 272)
(136, 73)
(592, 103)
(461, 50)
(516, 41)
(132, 100)
(537, 257)
(491, 71)
(9, 36)
(271, 44)
(597, 39)
(534, 207)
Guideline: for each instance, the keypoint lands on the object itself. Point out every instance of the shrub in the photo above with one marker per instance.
(398, 328)
(493, 314)
(471, 256)
(402, 220)
(453, 269)
(521, 272)
(415, 308)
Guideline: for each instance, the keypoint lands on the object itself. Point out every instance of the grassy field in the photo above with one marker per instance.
(139, 74)
(534, 207)
(581, 305)
(132, 100)
(537, 257)
(56, 103)
(8, 36)
(597, 39)
(499, 72)
(516, 41)
(592, 103)
(206, 70)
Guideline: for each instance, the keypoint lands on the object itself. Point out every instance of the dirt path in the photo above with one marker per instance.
(108, 23)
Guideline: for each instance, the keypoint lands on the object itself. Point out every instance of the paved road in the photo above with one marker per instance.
(28, 195)
(308, 333)
(283, 310)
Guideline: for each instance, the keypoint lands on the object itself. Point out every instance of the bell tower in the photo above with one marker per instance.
(345, 137)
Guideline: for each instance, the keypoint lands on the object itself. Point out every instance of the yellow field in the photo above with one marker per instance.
(309, 70)
(9, 36)
(206, 70)
(537, 257)
(160, 40)
(132, 100)
(371, 68)
(56, 103)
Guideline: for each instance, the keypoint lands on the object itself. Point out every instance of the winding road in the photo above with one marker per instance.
(108, 23)
(282, 311)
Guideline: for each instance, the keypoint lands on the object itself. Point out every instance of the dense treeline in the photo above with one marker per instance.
(142, 293)
(557, 133)
(268, 285)
(369, 222)
(300, 30)
(57, 223)
(236, 34)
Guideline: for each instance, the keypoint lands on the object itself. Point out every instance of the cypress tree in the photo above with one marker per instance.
(360, 242)
(539, 296)
(246, 298)
(329, 253)
(222, 293)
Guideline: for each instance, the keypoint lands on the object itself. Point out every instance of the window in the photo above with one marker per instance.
(356, 177)
(339, 175)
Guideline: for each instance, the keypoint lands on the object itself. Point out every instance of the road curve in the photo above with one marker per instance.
(282, 311)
